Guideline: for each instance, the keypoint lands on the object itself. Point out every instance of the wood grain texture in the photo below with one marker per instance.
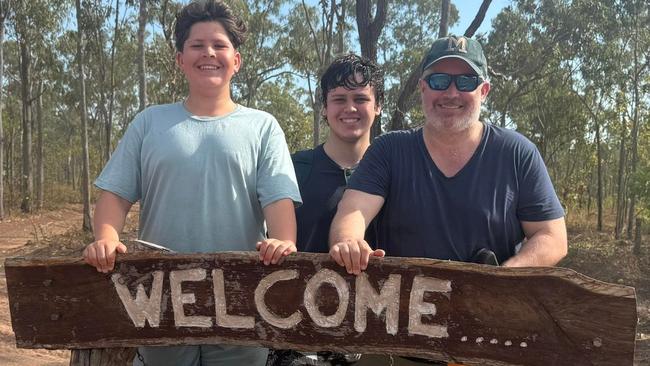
(491, 315)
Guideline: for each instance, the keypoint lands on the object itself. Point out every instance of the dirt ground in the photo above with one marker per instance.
(18, 235)
(57, 232)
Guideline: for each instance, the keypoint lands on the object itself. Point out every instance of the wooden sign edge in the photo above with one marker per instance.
(576, 278)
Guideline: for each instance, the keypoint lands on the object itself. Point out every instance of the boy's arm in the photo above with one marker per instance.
(280, 219)
(108, 221)
(347, 245)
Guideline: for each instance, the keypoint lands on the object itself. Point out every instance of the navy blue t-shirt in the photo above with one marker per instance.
(426, 214)
(322, 183)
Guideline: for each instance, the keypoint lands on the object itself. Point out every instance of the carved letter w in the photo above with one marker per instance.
(142, 307)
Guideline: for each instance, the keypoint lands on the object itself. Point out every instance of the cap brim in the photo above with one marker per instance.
(478, 71)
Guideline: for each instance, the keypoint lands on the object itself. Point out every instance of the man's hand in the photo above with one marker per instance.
(273, 251)
(353, 254)
(101, 254)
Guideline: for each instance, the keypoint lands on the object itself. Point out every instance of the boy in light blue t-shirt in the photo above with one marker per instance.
(208, 173)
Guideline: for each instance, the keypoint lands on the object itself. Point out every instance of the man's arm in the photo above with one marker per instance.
(347, 245)
(280, 219)
(546, 244)
(108, 221)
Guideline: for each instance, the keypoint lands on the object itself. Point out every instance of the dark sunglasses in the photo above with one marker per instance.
(464, 83)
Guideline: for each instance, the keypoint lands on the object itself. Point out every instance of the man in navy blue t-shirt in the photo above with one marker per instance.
(456, 185)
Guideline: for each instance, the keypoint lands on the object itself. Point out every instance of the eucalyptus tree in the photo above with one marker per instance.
(615, 58)
(280, 99)
(403, 45)
(101, 66)
(85, 187)
(312, 33)
(638, 14)
(24, 40)
(264, 55)
(142, 70)
(33, 24)
(599, 58)
(5, 8)
(370, 27)
(11, 115)
(533, 51)
(167, 83)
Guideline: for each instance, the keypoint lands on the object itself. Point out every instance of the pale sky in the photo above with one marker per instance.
(467, 10)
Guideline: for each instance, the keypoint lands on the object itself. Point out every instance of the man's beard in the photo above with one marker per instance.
(454, 123)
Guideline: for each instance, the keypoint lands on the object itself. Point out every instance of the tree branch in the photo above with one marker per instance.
(478, 19)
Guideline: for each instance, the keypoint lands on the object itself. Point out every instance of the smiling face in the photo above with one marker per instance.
(208, 59)
(351, 112)
(451, 110)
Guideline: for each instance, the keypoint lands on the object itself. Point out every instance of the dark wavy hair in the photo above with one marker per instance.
(208, 11)
(343, 72)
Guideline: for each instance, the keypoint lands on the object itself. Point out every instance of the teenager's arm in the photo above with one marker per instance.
(347, 245)
(280, 219)
(108, 221)
(546, 244)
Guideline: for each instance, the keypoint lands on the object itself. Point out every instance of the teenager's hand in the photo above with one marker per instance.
(353, 254)
(101, 254)
(273, 251)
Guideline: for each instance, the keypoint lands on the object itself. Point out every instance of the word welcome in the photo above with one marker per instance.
(144, 309)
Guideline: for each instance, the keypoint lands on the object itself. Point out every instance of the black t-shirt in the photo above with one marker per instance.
(321, 183)
(426, 214)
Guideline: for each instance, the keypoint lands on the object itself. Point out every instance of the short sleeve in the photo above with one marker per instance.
(537, 198)
(276, 176)
(374, 171)
(122, 173)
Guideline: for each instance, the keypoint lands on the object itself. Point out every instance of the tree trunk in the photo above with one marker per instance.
(599, 184)
(318, 105)
(620, 196)
(11, 170)
(40, 170)
(370, 28)
(631, 217)
(109, 122)
(85, 181)
(98, 32)
(637, 237)
(2, 139)
(444, 19)
(142, 24)
(340, 22)
(27, 185)
(478, 19)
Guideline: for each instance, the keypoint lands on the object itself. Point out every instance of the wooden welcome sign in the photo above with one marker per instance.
(472, 314)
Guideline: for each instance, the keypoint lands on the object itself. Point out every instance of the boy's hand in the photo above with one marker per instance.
(353, 254)
(101, 254)
(273, 251)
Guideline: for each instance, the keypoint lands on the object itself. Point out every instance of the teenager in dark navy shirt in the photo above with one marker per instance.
(352, 95)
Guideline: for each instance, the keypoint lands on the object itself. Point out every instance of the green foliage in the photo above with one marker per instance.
(411, 27)
(279, 100)
(560, 69)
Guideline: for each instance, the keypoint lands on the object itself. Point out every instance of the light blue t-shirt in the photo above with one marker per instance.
(202, 181)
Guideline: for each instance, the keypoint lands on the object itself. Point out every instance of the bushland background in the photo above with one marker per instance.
(571, 75)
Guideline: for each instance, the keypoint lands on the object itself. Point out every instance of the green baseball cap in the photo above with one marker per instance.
(466, 49)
